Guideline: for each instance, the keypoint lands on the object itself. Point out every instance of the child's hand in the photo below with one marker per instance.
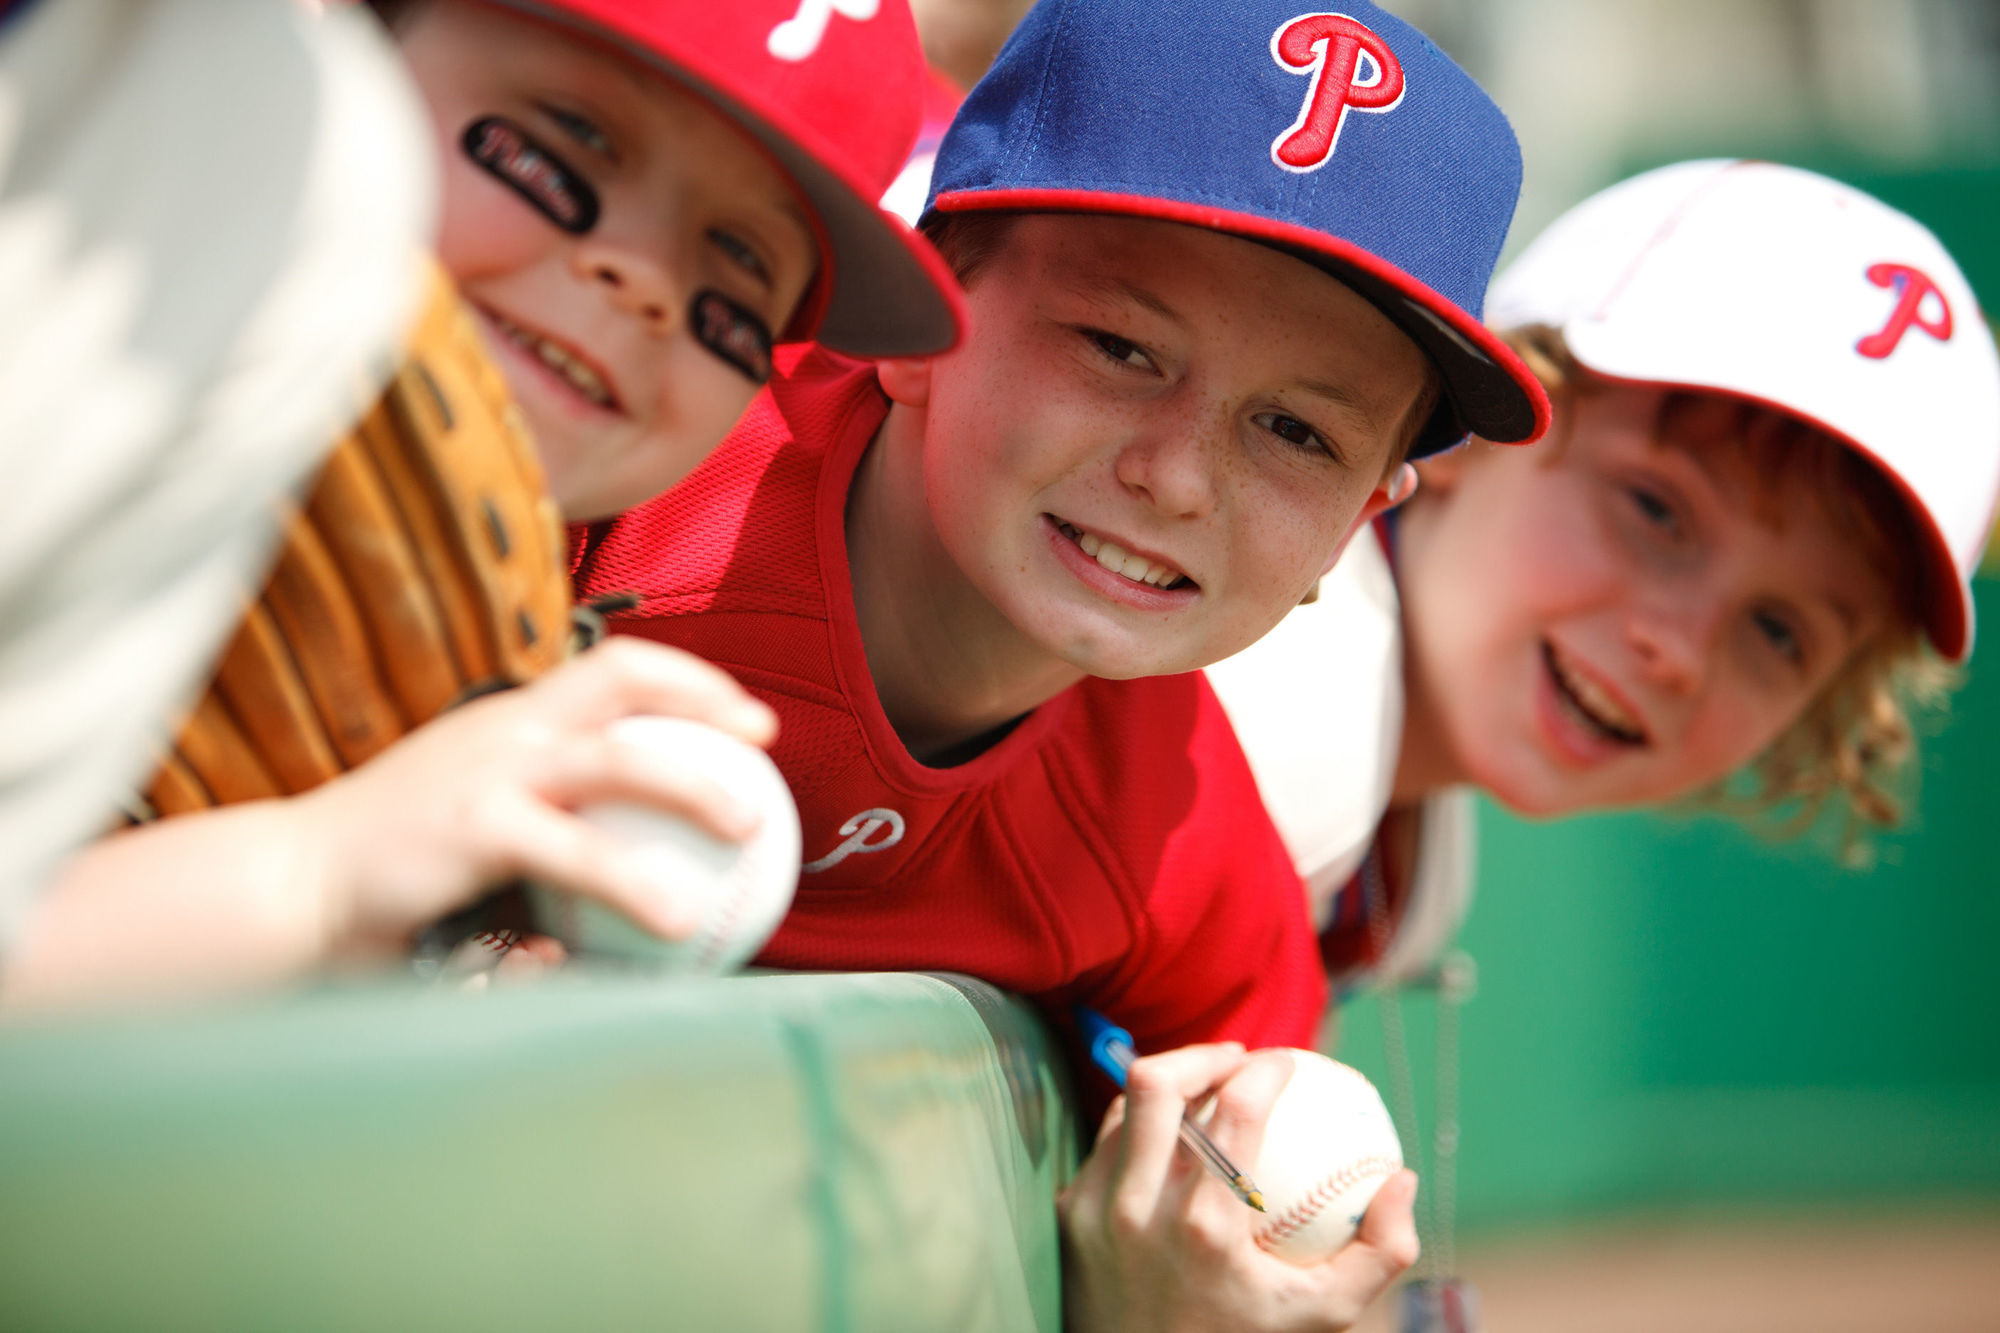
(264, 891)
(529, 959)
(489, 791)
(1156, 1242)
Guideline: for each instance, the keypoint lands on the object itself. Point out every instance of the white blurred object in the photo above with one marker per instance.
(1318, 707)
(212, 216)
(743, 888)
(906, 194)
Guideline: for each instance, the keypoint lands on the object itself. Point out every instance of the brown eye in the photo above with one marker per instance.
(741, 254)
(1122, 350)
(1293, 432)
(1778, 633)
(580, 128)
(1655, 509)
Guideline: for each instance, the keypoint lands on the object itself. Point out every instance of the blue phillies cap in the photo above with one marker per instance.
(1344, 138)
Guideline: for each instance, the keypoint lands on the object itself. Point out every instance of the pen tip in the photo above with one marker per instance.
(1255, 1198)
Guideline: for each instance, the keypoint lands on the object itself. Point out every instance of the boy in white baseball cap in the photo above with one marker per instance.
(1747, 541)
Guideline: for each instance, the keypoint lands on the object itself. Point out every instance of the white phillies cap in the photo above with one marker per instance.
(1783, 287)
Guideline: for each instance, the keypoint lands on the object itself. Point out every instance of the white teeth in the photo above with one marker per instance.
(1596, 704)
(1602, 704)
(1122, 562)
(580, 377)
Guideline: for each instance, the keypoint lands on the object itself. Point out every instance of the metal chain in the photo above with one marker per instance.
(1453, 980)
(1395, 1043)
(1456, 980)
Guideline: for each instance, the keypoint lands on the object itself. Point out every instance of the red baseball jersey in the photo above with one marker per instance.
(1111, 850)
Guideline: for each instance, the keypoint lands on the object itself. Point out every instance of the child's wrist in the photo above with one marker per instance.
(323, 875)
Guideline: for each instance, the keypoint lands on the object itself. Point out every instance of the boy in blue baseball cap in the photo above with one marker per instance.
(1225, 266)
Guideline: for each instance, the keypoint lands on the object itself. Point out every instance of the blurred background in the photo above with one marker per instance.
(1709, 1080)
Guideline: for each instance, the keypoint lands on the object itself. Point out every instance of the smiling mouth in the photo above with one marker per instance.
(1122, 562)
(1590, 704)
(567, 364)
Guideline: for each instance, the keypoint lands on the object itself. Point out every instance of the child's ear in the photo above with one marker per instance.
(1397, 487)
(907, 380)
(1401, 486)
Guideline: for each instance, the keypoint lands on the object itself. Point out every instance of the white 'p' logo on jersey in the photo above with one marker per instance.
(859, 833)
(799, 36)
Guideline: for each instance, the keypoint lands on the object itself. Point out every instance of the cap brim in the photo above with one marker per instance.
(1488, 391)
(1947, 593)
(882, 290)
(890, 293)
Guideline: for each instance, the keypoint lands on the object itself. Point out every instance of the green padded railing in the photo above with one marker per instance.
(768, 1152)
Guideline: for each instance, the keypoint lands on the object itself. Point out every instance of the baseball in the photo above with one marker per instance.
(1328, 1147)
(744, 887)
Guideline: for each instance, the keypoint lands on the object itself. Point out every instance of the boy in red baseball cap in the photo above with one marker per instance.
(640, 197)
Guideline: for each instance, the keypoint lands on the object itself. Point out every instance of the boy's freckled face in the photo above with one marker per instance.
(592, 330)
(1155, 437)
(1621, 622)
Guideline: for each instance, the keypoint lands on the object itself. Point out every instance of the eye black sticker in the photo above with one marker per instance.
(517, 160)
(733, 333)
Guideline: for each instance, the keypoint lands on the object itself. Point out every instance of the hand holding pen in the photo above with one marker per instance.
(1112, 1051)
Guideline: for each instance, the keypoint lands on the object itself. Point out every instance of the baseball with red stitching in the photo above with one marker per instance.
(743, 888)
(1328, 1147)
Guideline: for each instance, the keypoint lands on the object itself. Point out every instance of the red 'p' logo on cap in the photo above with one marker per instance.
(1911, 286)
(1331, 47)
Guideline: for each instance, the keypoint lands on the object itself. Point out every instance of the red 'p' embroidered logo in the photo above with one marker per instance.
(1911, 286)
(1352, 69)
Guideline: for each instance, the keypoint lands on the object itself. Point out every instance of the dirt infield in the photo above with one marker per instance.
(1907, 1272)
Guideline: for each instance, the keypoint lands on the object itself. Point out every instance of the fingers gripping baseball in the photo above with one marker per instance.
(1386, 1245)
(1158, 1092)
(624, 677)
(490, 791)
(1156, 1242)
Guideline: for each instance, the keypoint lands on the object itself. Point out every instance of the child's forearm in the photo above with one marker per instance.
(251, 894)
(202, 904)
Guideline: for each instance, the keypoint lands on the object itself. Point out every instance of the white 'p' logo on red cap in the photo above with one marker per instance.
(799, 36)
(1331, 48)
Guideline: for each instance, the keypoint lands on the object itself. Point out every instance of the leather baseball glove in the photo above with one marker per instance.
(424, 567)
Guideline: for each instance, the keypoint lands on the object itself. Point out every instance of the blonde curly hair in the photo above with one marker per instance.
(1852, 749)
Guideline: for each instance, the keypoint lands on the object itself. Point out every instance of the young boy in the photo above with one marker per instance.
(638, 198)
(1213, 307)
(1734, 552)
(641, 196)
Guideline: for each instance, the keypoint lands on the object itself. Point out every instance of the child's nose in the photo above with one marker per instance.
(636, 284)
(1672, 644)
(1171, 470)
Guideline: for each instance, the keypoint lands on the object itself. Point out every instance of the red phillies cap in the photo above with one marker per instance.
(833, 90)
